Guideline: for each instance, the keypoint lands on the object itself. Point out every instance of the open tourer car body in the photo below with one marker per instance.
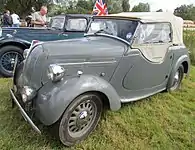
(122, 58)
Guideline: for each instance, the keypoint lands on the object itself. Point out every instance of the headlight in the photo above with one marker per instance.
(55, 72)
(28, 93)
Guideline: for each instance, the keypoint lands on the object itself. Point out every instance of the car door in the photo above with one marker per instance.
(150, 59)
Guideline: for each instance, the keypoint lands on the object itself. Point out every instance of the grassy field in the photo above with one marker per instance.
(189, 40)
(164, 121)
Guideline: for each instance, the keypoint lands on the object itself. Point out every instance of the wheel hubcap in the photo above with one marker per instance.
(176, 79)
(7, 61)
(81, 118)
(83, 115)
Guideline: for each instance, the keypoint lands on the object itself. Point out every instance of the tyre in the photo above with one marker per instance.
(177, 79)
(7, 59)
(79, 119)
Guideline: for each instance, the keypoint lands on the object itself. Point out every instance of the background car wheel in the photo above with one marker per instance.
(177, 79)
(79, 119)
(7, 59)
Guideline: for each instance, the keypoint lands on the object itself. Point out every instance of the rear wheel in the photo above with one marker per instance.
(79, 119)
(177, 79)
(7, 59)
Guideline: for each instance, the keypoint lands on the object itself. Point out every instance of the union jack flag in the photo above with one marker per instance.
(100, 8)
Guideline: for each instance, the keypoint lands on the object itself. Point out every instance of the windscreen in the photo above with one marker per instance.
(57, 22)
(117, 27)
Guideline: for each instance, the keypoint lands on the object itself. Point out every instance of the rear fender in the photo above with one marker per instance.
(53, 99)
(183, 58)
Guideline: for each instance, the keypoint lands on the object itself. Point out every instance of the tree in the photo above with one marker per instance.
(125, 5)
(56, 10)
(114, 6)
(23, 7)
(2, 5)
(82, 7)
(141, 7)
(187, 12)
(71, 7)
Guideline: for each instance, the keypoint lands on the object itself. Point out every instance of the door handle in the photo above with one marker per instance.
(64, 34)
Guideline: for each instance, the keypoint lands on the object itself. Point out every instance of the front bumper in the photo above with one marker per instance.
(24, 114)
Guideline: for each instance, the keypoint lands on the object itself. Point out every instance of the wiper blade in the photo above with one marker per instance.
(101, 30)
(160, 41)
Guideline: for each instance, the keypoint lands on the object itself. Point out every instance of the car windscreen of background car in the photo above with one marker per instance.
(121, 28)
(57, 23)
(76, 24)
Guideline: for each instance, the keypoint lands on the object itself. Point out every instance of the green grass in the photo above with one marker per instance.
(189, 40)
(163, 121)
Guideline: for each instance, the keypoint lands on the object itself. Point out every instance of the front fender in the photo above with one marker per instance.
(14, 41)
(53, 99)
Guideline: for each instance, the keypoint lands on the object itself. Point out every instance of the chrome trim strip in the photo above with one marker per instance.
(177, 47)
(107, 35)
(125, 100)
(86, 63)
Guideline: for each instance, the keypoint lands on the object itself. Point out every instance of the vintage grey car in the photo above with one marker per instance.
(122, 58)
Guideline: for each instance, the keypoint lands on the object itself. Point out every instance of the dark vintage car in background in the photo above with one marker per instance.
(15, 40)
(122, 58)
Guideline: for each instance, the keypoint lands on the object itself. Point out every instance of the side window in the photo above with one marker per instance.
(154, 33)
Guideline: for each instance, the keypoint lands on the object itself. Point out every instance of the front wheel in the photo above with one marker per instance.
(80, 119)
(7, 59)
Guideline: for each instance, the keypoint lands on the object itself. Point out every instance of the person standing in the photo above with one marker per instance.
(39, 18)
(16, 20)
(7, 19)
